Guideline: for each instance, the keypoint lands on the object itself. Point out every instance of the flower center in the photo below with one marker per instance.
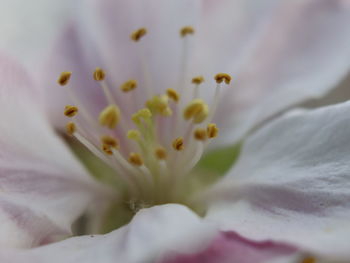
(153, 149)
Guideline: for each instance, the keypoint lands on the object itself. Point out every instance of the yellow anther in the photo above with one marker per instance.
(160, 105)
(110, 141)
(197, 110)
(107, 149)
(71, 128)
(70, 111)
(200, 134)
(160, 153)
(64, 78)
(220, 77)
(186, 30)
(212, 130)
(129, 85)
(134, 135)
(178, 144)
(309, 260)
(110, 116)
(172, 94)
(198, 80)
(135, 159)
(99, 74)
(138, 34)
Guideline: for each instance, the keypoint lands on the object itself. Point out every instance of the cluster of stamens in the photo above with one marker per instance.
(162, 140)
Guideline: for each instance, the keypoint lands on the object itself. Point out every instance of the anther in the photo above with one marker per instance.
(138, 34)
(129, 85)
(160, 153)
(200, 134)
(99, 74)
(135, 159)
(64, 78)
(110, 116)
(186, 30)
(134, 135)
(71, 128)
(107, 149)
(110, 141)
(197, 110)
(309, 260)
(172, 94)
(220, 77)
(198, 80)
(70, 111)
(178, 144)
(212, 130)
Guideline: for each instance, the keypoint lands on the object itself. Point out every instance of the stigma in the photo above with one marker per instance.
(150, 143)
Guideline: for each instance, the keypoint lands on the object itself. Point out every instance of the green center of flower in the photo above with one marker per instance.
(154, 149)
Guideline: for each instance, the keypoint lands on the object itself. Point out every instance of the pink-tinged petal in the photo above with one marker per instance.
(292, 183)
(229, 247)
(43, 189)
(299, 50)
(152, 234)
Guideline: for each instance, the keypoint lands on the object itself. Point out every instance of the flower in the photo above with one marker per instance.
(291, 173)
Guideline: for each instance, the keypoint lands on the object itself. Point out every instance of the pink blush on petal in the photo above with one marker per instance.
(229, 247)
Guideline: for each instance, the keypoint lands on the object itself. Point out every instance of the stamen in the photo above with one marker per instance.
(135, 159)
(70, 111)
(178, 144)
(99, 74)
(138, 34)
(186, 30)
(197, 81)
(172, 94)
(160, 153)
(212, 130)
(220, 77)
(71, 128)
(200, 134)
(110, 116)
(107, 149)
(64, 78)
(129, 85)
(197, 110)
(110, 141)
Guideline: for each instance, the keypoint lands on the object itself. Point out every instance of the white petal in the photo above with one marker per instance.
(43, 189)
(27, 28)
(152, 234)
(292, 183)
(301, 50)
